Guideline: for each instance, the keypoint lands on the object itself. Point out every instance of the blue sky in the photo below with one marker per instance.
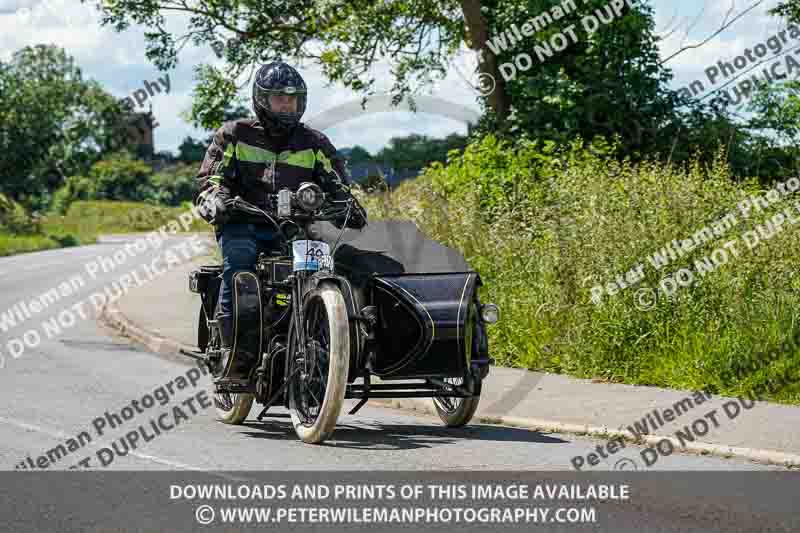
(118, 62)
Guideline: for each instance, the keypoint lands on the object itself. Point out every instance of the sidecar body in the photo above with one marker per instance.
(421, 297)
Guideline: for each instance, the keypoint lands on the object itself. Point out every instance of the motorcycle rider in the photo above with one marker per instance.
(258, 156)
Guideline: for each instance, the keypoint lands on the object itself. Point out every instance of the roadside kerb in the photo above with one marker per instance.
(112, 317)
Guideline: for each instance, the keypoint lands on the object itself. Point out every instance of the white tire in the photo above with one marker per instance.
(231, 408)
(338, 357)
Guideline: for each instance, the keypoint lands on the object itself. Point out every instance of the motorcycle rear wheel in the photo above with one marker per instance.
(316, 392)
(230, 408)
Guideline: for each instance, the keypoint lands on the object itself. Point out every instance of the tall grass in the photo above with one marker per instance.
(577, 219)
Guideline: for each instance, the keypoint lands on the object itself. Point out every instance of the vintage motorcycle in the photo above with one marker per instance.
(334, 307)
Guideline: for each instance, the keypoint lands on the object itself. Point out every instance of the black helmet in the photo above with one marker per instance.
(278, 78)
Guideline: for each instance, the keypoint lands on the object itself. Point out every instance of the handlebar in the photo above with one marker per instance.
(239, 204)
(299, 210)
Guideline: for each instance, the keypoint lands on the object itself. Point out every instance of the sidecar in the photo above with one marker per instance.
(417, 322)
(417, 325)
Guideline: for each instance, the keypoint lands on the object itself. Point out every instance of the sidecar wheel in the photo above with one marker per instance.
(323, 377)
(457, 412)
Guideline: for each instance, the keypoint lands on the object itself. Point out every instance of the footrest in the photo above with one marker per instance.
(233, 386)
(195, 354)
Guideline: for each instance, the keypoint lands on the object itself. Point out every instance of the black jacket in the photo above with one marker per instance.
(251, 164)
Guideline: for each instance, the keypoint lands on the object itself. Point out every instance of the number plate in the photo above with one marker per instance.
(311, 255)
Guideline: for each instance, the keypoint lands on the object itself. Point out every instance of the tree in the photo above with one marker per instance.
(191, 150)
(174, 185)
(597, 85)
(593, 86)
(419, 38)
(357, 155)
(777, 109)
(119, 176)
(414, 152)
(789, 9)
(776, 116)
(52, 123)
(235, 111)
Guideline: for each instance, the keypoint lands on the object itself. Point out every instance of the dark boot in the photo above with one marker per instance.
(226, 332)
(226, 342)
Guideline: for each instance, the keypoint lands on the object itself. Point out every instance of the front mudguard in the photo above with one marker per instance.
(351, 304)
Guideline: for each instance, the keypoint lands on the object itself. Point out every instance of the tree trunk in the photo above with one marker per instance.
(477, 30)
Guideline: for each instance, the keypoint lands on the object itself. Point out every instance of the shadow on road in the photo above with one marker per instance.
(392, 436)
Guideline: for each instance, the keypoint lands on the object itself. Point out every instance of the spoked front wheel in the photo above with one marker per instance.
(318, 378)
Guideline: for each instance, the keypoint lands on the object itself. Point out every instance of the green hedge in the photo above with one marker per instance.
(544, 225)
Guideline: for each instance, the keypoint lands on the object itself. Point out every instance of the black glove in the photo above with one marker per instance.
(357, 218)
(211, 205)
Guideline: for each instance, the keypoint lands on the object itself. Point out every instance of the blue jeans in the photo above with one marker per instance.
(240, 244)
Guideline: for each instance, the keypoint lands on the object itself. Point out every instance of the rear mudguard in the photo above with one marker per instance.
(247, 326)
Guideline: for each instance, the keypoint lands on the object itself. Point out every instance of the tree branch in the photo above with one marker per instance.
(720, 30)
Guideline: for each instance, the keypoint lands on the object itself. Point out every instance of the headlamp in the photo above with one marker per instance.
(309, 196)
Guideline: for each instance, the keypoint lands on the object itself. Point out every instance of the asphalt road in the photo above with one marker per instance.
(60, 386)
(57, 389)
